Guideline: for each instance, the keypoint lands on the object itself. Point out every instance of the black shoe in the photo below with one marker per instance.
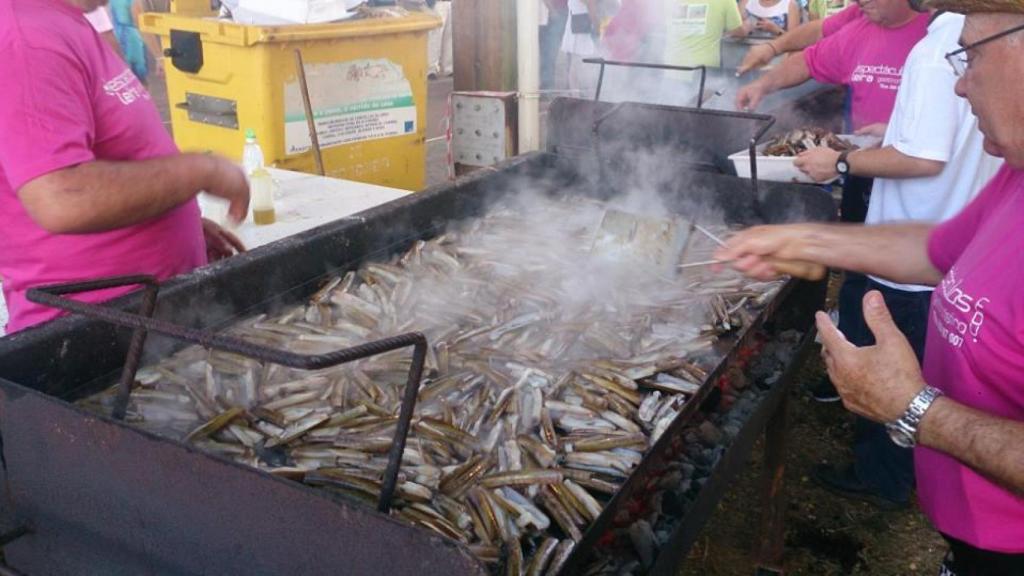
(844, 482)
(824, 391)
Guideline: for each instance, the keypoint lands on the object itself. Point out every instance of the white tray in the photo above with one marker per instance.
(781, 168)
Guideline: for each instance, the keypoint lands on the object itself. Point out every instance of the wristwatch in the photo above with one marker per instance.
(903, 432)
(842, 166)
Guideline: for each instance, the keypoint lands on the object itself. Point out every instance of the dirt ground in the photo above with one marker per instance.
(825, 535)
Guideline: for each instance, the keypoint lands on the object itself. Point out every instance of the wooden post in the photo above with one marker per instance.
(484, 49)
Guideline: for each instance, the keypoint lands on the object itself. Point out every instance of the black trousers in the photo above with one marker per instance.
(966, 560)
(853, 207)
(880, 464)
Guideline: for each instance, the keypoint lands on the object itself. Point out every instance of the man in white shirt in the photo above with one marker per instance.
(930, 165)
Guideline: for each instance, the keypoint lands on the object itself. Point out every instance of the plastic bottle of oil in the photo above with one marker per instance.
(261, 191)
(252, 154)
(261, 185)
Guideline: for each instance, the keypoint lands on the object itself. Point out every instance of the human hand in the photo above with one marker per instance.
(219, 242)
(768, 252)
(818, 163)
(226, 180)
(757, 57)
(749, 96)
(877, 382)
(877, 129)
(766, 25)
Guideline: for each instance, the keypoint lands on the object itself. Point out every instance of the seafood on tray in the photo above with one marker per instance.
(800, 140)
(544, 387)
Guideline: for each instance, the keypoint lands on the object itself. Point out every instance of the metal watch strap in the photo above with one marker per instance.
(911, 419)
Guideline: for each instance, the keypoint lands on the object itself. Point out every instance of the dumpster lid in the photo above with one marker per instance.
(233, 33)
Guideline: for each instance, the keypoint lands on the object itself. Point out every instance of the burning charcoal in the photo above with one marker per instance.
(709, 433)
(642, 537)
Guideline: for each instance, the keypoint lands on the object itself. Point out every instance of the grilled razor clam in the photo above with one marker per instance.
(800, 140)
(532, 414)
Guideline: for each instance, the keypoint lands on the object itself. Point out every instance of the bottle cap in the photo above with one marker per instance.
(250, 134)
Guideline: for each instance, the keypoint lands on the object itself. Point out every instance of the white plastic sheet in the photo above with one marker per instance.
(274, 12)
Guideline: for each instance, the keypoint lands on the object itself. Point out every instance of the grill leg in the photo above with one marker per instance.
(772, 537)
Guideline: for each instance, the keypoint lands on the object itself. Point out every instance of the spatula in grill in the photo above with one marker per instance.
(662, 243)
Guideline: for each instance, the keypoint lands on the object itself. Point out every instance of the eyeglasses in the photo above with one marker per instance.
(958, 59)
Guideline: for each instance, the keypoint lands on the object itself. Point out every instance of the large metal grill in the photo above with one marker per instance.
(89, 494)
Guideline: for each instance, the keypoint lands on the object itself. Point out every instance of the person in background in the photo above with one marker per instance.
(580, 40)
(930, 165)
(129, 37)
(630, 34)
(694, 30)
(772, 17)
(821, 9)
(867, 56)
(155, 60)
(798, 38)
(551, 31)
(962, 410)
(91, 184)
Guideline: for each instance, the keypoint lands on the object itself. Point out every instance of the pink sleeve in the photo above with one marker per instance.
(45, 113)
(948, 240)
(826, 59)
(835, 22)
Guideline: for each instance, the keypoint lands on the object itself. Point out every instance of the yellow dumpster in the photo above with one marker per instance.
(367, 81)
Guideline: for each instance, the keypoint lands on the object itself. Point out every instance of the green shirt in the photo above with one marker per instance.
(826, 8)
(694, 30)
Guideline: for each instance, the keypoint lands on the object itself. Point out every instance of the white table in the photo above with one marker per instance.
(303, 201)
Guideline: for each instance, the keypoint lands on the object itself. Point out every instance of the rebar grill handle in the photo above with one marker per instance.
(143, 323)
(600, 78)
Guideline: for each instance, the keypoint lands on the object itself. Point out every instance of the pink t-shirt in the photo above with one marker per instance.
(975, 354)
(835, 22)
(68, 99)
(869, 60)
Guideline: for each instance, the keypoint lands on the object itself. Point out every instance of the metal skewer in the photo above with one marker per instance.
(708, 233)
(703, 263)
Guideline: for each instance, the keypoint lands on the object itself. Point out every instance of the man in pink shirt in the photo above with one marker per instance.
(866, 55)
(797, 39)
(964, 411)
(91, 184)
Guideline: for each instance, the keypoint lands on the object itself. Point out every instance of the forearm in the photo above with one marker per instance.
(897, 252)
(99, 196)
(798, 38)
(990, 445)
(792, 72)
(888, 162)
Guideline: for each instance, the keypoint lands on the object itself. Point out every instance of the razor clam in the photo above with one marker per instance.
(536, 402)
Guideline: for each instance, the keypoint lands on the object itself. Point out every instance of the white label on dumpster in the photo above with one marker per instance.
(352, 101)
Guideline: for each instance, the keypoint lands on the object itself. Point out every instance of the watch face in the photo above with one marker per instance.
(901, 437)
(842, 167)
